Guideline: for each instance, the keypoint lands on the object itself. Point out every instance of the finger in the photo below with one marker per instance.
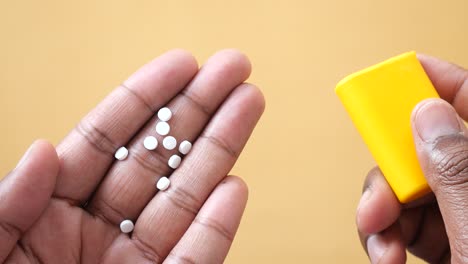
(424, 233)
(130, 185)
(386, 246)
(450, 81)
(210, 236)
(378, 208)
(169, 214)
(88, 151)
(442, 148)
(25, 193)
(420, 221)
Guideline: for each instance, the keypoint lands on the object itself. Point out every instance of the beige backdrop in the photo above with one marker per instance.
(305, 162)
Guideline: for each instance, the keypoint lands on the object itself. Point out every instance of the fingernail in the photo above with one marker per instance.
(25, 157)
(436, 119)
(376, 248)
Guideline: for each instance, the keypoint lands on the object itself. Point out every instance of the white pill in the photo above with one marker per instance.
(164, 114)
(163, 128)
(121, 153)
(174, 161)
(126, 226)
(185, 147)
(163, 184)
(150, 143)
(169, 143)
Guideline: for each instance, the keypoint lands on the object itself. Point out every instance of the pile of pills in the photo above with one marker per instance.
(151, 143)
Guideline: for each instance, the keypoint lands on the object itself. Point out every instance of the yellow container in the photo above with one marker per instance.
(380, 100)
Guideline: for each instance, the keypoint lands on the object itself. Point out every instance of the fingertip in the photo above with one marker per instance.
(185, 57)
(427, 103)
(48, 151)
(41, 156)
(256, 96)
(432, 119)
(448, 79)
(172, 69)
(237, 186)
(387, 247)
(30, 185)
(233, 60)
(425, 59)
(378, 208)
(238, 56)
(39, 170)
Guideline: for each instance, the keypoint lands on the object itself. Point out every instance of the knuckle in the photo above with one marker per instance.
(221, 144)
(197, 103)
(152, 161)
(97, 138)
(450, 160)
(215, 226)
(182, 198)
(147, 251)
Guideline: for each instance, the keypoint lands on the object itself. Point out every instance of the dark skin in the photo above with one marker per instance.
(433, 228)
(65, 204)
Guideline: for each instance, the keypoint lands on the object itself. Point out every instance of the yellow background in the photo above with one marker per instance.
(305, 163)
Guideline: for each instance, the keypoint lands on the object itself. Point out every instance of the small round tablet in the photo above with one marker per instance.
(174, 161)
(164, 114)
(150, 143)
(163, 184)
(121, 153)
(169, 143)
(185, 147)
(126, 226)
(163, 128)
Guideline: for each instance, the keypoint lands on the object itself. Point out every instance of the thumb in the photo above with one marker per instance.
(25, 193)
(442, 146)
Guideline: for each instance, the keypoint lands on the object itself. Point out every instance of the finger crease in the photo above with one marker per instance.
(183, 199)
(459, 85)
(150, 165)
(222, 145)
(216, 226)
(138, 97)
(96, 138)
(30, 253)
(106, 213)
(10, 230)
(147, 251)
(197, 102)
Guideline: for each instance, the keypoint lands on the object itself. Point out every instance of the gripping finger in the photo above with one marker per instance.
(442, 148)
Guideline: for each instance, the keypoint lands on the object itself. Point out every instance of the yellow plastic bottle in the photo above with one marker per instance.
(380, 100)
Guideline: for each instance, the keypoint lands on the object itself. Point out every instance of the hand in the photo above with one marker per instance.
(434, 228)
(66, 205)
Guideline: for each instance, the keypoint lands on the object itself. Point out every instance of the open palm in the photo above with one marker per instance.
(65, 205)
